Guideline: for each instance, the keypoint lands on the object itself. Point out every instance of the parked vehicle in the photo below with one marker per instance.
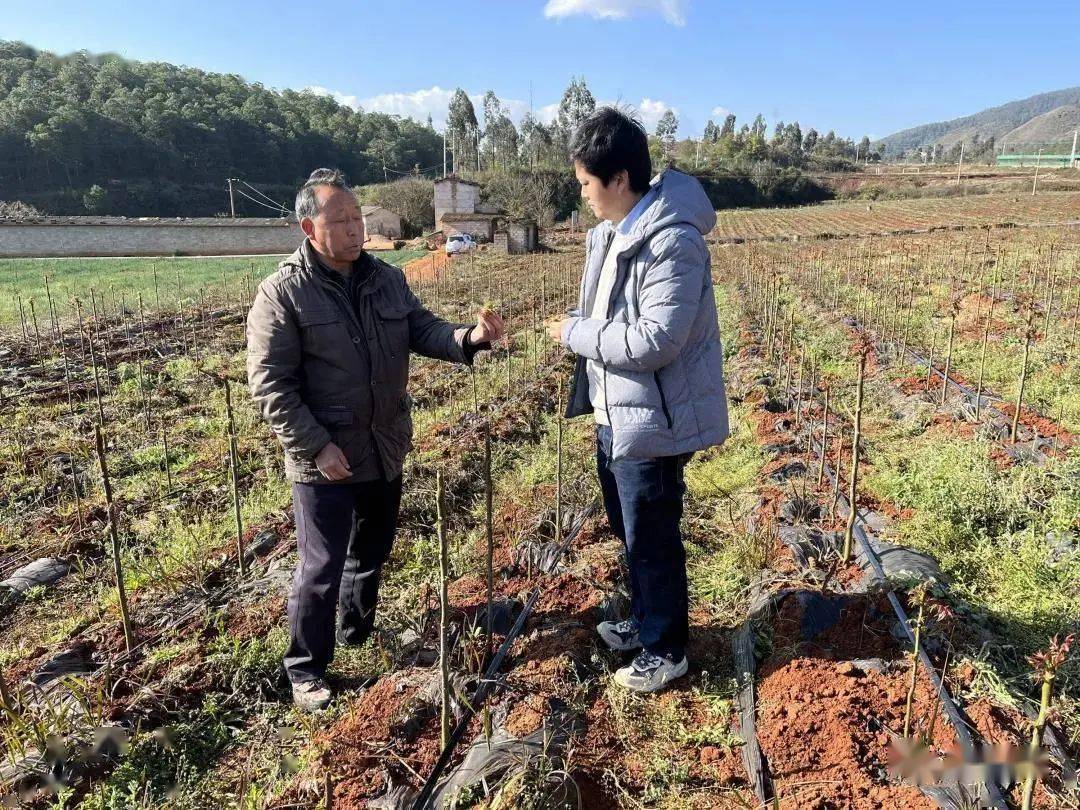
(460, 243)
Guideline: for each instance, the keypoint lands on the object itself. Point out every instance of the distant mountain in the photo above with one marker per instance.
(1056, 126)
(994, 122)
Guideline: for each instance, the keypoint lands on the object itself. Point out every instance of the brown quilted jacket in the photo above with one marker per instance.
(321, 370)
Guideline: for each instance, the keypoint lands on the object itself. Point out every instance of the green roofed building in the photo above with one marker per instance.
(1046, 161)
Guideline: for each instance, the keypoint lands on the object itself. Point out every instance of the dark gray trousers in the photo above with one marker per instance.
(344, 533)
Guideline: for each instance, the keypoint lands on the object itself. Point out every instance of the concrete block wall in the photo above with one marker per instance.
(481, 228)
(156, 238)
(455, 197)
(522, 237)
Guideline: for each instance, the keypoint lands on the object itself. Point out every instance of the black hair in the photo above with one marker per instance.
(609, 141)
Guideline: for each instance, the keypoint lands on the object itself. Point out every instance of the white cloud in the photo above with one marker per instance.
(339, 97)
(650, 111)
(547, 113)
(720, 113)
(673, 11)
(417, 105)
(432, 101)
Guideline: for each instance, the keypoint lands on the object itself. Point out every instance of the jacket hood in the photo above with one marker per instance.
(679, 199)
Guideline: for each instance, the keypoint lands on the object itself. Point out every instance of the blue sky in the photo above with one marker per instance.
(860, 68)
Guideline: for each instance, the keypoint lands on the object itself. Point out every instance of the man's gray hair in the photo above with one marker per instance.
(307, 201)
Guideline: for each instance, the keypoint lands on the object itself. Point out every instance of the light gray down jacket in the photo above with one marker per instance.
(660, 343)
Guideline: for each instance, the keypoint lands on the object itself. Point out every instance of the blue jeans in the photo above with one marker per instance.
(644, 503)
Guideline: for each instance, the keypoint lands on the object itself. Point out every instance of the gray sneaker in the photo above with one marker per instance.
(311, 696)
(620, 636)
(648, 672)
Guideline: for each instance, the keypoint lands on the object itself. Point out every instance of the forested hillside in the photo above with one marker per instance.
(988, 124)
(101, 134)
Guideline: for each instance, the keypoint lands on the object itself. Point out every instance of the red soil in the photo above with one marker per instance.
(425, 268)
(824, 729)
(355, 748)
(1047, 428)
(840, 715)
(255, 621)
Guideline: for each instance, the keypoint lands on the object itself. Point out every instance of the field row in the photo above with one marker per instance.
(941, 498)
(813, 644)
(896, 216)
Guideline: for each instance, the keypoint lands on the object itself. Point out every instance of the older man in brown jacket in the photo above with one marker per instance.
(329, 336)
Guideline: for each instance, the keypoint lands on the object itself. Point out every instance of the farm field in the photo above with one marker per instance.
(907, 181)
(896, 216)
(947, 358)
(120, 281)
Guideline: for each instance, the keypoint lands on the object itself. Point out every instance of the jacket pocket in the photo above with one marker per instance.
(322, 330)
(345, 432)
(393, 327)
(663, 401)
(331, 418)
(317, 315)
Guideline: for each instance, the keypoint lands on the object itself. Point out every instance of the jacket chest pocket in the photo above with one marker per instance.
(393, 325)
(322, 329)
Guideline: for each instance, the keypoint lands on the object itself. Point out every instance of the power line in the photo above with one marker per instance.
(279, 209)
(414, 171)
(264, 196)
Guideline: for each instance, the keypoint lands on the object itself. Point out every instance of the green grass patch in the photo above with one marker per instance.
(996, 532)
(721, 555)
(162, 281)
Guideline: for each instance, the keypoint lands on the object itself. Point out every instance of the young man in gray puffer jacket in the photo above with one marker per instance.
(650, 369)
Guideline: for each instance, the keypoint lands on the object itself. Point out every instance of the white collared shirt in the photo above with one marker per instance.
(597, 395)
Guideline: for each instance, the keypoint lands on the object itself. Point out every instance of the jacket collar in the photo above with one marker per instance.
(304, 259)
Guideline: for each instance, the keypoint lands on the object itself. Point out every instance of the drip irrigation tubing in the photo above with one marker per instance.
(960, 726)
(953, 713)
(488, 684)
(486, 687)
(993, 794)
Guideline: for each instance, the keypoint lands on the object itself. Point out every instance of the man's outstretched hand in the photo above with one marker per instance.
(332, 463)
(489, 327)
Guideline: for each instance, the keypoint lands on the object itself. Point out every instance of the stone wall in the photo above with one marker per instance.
(522, 237)
(68, 236)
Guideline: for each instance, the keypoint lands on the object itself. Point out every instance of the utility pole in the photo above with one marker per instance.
(232, 201)
(960, 163)
(444, 153)
(1072, 155)
(1035, 182)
